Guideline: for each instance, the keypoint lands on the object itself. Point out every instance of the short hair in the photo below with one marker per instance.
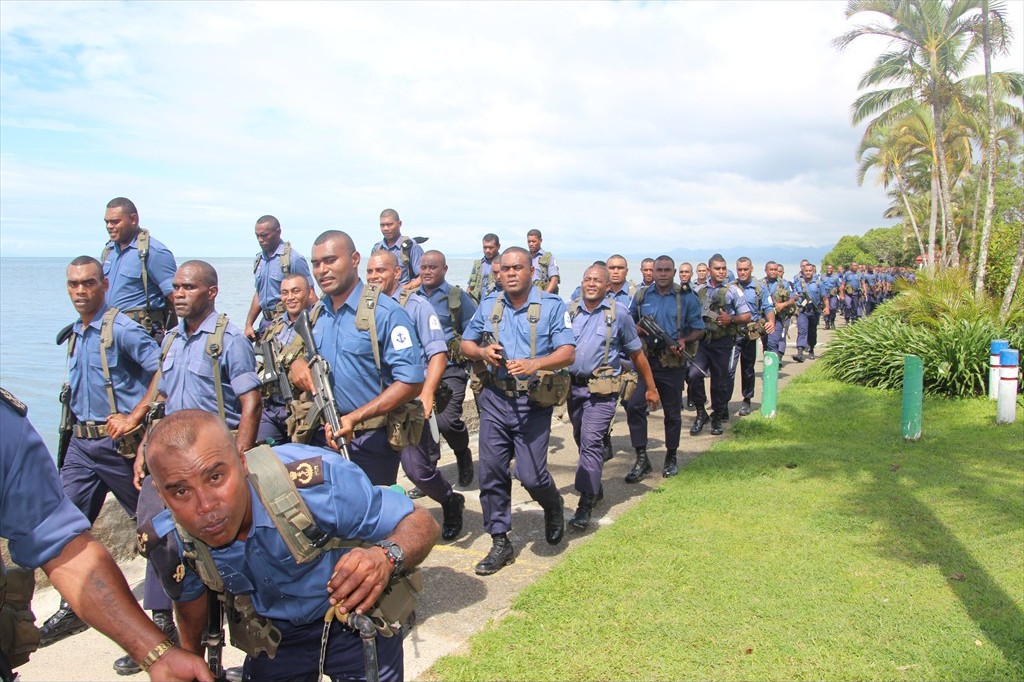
(390, 213)
(771, 262)
(294, 275)
(662, 258)
(599, 262)
(435, 252)
(686, 263)
(336, 234)
(600, 267)
(616, 255)
(535, 233)
(122, 203)
(274, 223)
(207, 274)
(491, 237)
(715, 258)
(89, 260)
(744, 259)
(646, 260)
(520, 250)
(388, 256)
(700, 264)
(178, 432)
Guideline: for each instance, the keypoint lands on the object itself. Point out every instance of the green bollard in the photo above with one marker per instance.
(913, 391)
(770, 385)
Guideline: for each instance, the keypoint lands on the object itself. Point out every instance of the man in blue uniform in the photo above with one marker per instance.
(783, 302)
(677, 312)
(481, 278)
(853, 288)
(419, 460)
(102, 388)
(202, 479)
(831, 284)
(545, 270)
(605, 336)
(762, 323)
(724, 308)
(619, 287)
(139, 268)
(812, 302)
(454, 309)
(46, 530)
(406, 249)
(646, 273)
(274, 262)
(363, 391)
(518, 333)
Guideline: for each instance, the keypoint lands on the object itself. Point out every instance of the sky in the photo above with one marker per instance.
(633, 127)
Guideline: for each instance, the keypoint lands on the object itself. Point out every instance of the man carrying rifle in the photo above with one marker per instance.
(274, 263)
(111, 361)
(761, 325)
(374, 357)
(676, 312)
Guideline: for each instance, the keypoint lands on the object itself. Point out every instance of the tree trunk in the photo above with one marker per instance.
(910, 213)
(990, 151)
(1011, 286)
(938, 115)
(933, 219)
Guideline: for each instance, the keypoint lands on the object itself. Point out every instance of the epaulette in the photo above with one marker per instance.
(18, 406)
(306, 472)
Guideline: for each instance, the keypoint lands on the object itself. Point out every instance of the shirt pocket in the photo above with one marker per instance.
(201, 367)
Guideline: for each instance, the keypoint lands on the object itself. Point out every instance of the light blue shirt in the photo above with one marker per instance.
(133, 360)
(269, 274)
(758, 309)
(813, 290)
(735, 301)
(344, 506)
(123, 268)
(552, 265)
(439, 299)
(349, 353)
(428, 326)
(188, 380)
(590, 329)
(663, 308)
(411, 271)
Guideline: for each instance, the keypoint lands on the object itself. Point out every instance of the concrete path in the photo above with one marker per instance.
(456, 603)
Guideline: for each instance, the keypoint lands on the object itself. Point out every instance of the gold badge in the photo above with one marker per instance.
(179, 573)
(306, 472)
(143, 541)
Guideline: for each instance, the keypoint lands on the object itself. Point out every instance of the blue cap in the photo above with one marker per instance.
(1008, 358)
(998, 345)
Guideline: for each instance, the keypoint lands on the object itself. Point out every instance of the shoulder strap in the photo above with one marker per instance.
(107, 248)
(403, 297)
(639, 298)
(455, 308)
(106, 341)
(290, 513)
(407, 254)
(199, 554)
(286, 259)
(256, 263)
(533, 315)
(574, 309)
(366, 320)
(215, 348)
(609, 323)
(142, 241)
(496, 314)
(679, 310)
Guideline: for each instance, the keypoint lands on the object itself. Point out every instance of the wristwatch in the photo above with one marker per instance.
(394, 554)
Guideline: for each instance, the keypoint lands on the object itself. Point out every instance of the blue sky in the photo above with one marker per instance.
(632, 126)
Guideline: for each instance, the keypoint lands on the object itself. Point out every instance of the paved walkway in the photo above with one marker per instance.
(457, 603)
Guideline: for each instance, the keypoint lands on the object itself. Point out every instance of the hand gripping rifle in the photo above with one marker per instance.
(213, 635)
(658, 340)
(272, 374)
(323, 396)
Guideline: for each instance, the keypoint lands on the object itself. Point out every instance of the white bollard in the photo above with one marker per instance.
(994, 348)
(1006, 408)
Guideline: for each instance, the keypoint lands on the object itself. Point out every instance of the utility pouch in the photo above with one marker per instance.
(252, 633)
(405, 425)
(670, 359)
(755, 330)
(627, 384)
(549, 388)
(300, 430)
(604, 381)
(455, 355)
(128, 444)
(19, 636)
(478, 376)
(397, 604)
(442, 396)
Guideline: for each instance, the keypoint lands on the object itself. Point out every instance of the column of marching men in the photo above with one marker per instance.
(166, 402)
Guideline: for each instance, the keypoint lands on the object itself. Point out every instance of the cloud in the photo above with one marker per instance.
(717, 123)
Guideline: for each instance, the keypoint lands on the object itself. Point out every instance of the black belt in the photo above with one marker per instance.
(511, 387)
(580, 380)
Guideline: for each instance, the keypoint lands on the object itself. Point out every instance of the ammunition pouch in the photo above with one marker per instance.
(478, 376)
(19, 636)
(850, 291)
(604, 382)
(405, 425)
(299, 430)
(669, 359)
(549, 388)
(378, 422)
(455, 355)
(692, 347)
(442, 396)
(396, 605)
(128, 444)
(627, 385)
(754, 330)
(252, 633)
(715, 331)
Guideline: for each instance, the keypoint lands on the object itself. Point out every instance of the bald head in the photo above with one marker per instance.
(177, 434)
(340, 238)
(200, 270)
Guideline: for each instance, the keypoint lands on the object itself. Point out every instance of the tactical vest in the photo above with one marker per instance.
(475, 285)
(605, 381)
(214, 349)
(550, 387)
(678, 290)
(142, 244)
(286, 260)
(455, 315)
(277, 485)
(710, 305)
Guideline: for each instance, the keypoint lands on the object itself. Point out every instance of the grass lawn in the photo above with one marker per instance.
(817, 545)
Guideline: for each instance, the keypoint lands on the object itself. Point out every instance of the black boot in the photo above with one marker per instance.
(61, 624)
(716, 426)
(581, 519)
(641, 468)
(415, 493)
(744, 409)
(810, 354)
(452, 508)
(671, 468)
(500, 556)
(699, 421)
(464, 460)
(799, 357)
(164, 620)
(554, 522)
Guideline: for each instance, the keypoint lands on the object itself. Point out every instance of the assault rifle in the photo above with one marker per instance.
(323, 396)
(67, 423)
(271, 374)
(213, 635)
(658, 340)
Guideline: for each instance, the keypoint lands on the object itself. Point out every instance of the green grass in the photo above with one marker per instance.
(814, 546)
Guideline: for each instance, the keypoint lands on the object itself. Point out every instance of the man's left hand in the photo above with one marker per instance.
(359, 578)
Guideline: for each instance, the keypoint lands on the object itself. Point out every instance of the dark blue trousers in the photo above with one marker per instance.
(512, 428)
(449, 422)
(776, 341)
(713, 357)
(745, 357)
(273, 423)
(807, 329)
(93, 468)
(591, 415)
(298, 656)
(419, 462)
(668, 381)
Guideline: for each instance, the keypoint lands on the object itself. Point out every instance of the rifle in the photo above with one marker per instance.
(213, 635)
(323, 396)
(658, 340)
(269, 349)
(67, 423)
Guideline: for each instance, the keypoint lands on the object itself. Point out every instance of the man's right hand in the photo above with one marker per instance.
(300, 376)
(178, 664)
(139, 466)
(250, 332)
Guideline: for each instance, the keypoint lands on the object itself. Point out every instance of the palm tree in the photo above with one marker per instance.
(934, 42)
(885, 151)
